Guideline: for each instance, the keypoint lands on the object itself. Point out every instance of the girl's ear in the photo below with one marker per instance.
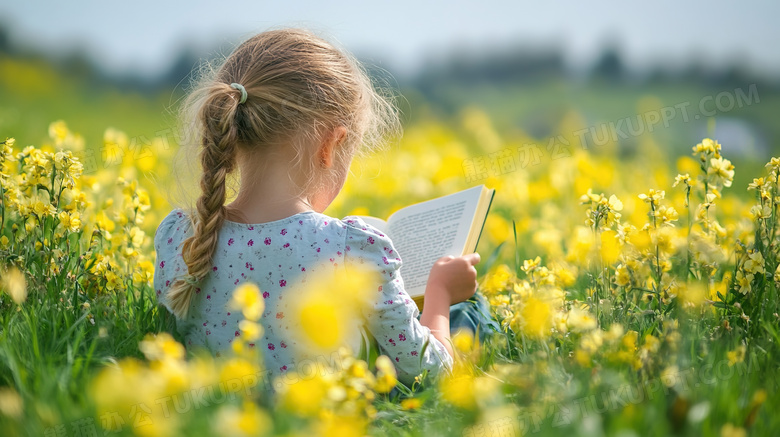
(329, 144)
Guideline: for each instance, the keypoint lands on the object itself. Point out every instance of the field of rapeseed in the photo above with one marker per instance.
(637, 295)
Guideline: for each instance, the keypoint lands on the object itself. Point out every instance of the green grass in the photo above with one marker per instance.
(53, 345)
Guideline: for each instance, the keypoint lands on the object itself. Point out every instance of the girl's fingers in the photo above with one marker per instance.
(472, 258)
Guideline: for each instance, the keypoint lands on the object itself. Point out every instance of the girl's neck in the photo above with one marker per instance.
(266, 196)
(250, 211)
(268, 192)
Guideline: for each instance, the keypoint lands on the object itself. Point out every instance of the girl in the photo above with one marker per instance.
(288, 112)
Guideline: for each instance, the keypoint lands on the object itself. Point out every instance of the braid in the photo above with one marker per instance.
(217, 160)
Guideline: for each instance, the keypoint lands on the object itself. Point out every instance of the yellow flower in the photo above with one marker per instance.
(70, 221)
(104, 222)
(11, 404)
(497, 280)
(610, 247)
(652, 196)
(590, 197)
(327, 309)
(759, 212)
(707, 146)
(303, 396)
(331, 425)
(777, 276)
(737, 355)
(652, 344)
(144, 272)
(161, 347)
(458, 390)
(386, 376)
(692, 294)
(250, 330)
(592, 341)
(641, 240)
(721, 171)
(15, 284)
(322, 320)
(774, 165)
(122, 219)
(756, 184)
(565, 277)
(530, 265)
(238, 369)
(614, 203)
(248, 420)
(246, 297)
(744, 281)
(136, 236)
(579, 320)
(42, 209)
(113, 281)
(622, 275)
(463, 341)
(667, 214)
(536, 318)
(665, 239)
(159, 424)
(411, 403)
(669, 375)
(682, 179)
(141, 200)
(730, 430)
(629, 340)
(58, 131)
(755, 263)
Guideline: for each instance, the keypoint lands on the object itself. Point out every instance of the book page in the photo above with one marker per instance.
(427, 231)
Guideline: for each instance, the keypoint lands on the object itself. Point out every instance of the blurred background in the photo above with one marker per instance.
(543, 101)
(561, 76)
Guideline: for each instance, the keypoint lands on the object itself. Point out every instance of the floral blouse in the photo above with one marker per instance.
(275, 256)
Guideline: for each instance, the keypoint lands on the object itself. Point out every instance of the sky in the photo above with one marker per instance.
(143, 37)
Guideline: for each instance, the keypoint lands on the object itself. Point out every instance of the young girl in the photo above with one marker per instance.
(288, 112)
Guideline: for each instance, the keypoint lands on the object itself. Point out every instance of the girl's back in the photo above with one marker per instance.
(279, 257)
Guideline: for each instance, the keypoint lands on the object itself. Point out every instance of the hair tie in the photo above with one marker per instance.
(191, 280)
(240, 87)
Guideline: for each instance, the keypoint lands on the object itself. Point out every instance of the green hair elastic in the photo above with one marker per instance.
(240, 87)
(191, 280)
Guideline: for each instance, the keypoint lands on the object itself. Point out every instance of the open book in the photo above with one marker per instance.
(424, 232)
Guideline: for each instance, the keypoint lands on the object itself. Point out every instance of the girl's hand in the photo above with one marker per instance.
(453, 279)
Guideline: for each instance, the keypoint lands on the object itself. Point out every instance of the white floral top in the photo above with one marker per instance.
(275, 256)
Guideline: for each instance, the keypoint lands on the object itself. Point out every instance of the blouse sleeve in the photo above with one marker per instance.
(168, 238)
(392, 314)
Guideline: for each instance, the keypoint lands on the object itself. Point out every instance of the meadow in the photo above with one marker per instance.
(636, 285)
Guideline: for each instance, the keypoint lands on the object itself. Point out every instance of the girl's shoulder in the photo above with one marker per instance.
(356, 224)
(176, 215)
(367, 235)
(170, 234)
(175, 226)
(364, 240)
(172, 228)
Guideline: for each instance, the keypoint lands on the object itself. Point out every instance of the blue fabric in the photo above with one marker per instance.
(473, 315)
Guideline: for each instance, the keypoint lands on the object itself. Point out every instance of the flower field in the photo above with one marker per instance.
(637, 292)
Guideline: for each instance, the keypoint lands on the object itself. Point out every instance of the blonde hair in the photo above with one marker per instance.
(299, 88)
